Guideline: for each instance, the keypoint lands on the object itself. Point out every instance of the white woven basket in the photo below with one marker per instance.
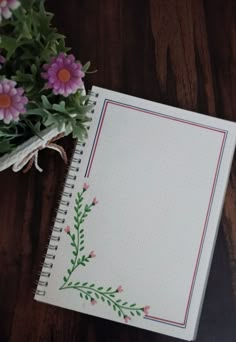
(24, 152)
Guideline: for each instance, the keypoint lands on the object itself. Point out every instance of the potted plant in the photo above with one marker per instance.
(42, 94)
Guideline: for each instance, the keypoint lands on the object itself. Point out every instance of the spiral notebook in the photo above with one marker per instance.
(136, 226)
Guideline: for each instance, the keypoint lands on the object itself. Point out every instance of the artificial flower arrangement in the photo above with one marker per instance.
(41, 83)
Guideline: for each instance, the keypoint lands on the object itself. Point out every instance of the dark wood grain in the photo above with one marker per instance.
(178, 52)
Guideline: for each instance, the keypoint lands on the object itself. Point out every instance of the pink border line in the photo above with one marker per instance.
(180, 324)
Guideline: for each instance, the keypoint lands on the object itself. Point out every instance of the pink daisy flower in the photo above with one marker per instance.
(12, 101)
(63, 75)
(6, 8)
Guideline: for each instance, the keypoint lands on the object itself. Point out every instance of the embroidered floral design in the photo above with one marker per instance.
(91, 292)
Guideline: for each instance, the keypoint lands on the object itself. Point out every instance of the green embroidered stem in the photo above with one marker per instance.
(77, 242)
(108, 296)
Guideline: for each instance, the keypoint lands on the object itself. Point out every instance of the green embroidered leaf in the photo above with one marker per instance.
(77, 283)
(84, 284)
(131, 312)
(111, 295)
(138, 313)
(73, 237)
(119, 313)
(100, 288)
(69, 271)
(125, 303)
(76, 219)
(132, 305)
(81, 249)
(96, 295)
(65, 279)
(103, 299)
(82, 230)
(114, 307)
(87, 297)
(108, 302)
(74, 253)
(70, 283)
(82, 242)
(89, 292)
(118, 301)
(72, 261)
(81, 236)
(109, 289)
(92, 285)
(81, 295)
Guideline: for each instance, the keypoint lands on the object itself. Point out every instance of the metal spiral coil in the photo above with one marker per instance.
(67, 194)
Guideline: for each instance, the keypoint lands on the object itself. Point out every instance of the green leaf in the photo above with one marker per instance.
(125, 303)
(65, 279)
(109, 289)
(86, 66)
(72, 261)
(138, 313)
(100, 288)
(97, 296)
(69, 271)
(118, 301)
(87, 297)
(45, 102)
(92, 285)
(81, 295)
(70, 283)
(73, 237)
(131, 312)
(77, 283)
(132, 305)
(119, 313)
(81, 249)
(74, 253)
(84, 284)
(102, 298)
(108, 302)
(114, 307)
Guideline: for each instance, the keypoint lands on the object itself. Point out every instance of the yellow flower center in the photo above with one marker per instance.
(64, 75)
(5, 100)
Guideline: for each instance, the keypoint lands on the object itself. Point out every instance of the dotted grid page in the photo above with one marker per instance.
(151, 186)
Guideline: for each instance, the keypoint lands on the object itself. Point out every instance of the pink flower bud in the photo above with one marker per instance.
(92, 254)
(127, 319)
(95, 201)
(85, 186)
(119, 289)
(146, 309)
(67, 229)
(93, 302)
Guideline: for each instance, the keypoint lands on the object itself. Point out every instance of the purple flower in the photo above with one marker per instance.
(6, 8)
(63, 75)
(12, 101)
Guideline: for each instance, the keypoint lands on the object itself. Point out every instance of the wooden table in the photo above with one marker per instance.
(177, 52)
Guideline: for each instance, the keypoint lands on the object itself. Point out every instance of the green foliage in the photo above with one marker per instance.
(27, 41)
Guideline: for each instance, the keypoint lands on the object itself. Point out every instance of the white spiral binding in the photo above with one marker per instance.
(62, 211)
